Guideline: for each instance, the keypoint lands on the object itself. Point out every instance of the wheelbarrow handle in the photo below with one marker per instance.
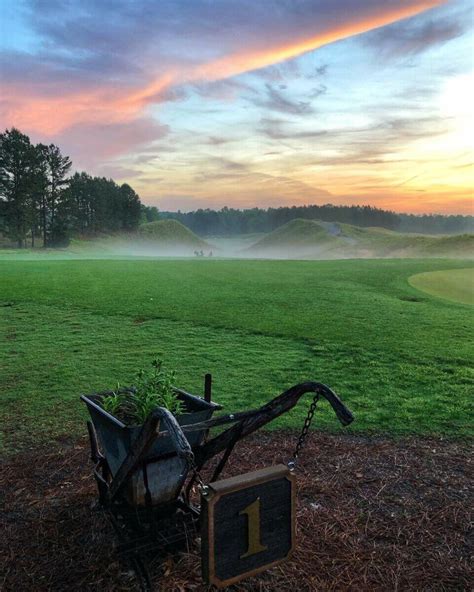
(289, 398)
(268, 412)
(344, 415)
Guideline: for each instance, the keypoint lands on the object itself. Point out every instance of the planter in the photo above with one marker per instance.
(163, 470)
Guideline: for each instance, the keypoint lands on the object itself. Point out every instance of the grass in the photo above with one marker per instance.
(388, 242)
(400, 358)
(299, 233)
(311, 238)
(163, 237)
(171, 231)
(456, 285)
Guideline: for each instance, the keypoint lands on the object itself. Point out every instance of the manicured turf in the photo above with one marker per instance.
(399, 358)
(456, 285)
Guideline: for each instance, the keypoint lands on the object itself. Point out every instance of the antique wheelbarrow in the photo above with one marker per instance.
(146, 475)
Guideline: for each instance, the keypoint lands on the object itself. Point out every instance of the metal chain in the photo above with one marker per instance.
(291, 463)
(304, 433)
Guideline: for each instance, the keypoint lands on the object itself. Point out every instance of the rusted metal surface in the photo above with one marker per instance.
(164, 477)
(116, 437)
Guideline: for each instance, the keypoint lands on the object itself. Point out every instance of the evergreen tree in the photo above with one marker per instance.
(17, 183)
(57, 167)
(130, 207)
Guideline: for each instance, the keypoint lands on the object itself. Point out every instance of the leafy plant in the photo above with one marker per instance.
(111, 403)
(152, 389)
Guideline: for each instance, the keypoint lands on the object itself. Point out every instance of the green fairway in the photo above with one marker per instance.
(399, 358)
(456, 285)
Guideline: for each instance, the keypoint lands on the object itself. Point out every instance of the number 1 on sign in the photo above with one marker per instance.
(253, 520)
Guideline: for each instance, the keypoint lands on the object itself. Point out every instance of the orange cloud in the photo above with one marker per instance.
(431, 199)
(256, 59)
(52, 114)
(118, 104)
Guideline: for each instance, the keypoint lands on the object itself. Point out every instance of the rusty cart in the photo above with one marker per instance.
(145, 474)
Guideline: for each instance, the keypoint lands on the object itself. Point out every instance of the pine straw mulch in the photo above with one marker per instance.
(373, 514)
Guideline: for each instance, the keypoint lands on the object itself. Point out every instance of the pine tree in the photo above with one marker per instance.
(17, 183)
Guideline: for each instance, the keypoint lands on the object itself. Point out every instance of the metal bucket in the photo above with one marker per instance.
(165, 471)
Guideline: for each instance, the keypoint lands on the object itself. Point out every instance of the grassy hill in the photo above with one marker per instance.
(387, 243)
(168, 238)
(171, 233)
(160, 238)
(300, 234)
(315, 239)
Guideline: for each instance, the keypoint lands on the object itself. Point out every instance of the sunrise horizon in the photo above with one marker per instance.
(197, 105)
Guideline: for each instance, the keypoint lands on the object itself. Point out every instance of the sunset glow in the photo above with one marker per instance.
(252, 104)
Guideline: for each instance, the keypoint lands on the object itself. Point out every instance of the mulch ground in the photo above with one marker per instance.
(373, 514)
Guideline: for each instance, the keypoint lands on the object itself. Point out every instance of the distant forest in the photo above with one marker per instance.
(229, 221)
(39, 203)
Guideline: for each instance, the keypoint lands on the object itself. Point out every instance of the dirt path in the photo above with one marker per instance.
(373, 514)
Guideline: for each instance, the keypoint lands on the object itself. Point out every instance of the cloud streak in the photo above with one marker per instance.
(142, 50)
(277, 101)
(206, 100)
(402, 40)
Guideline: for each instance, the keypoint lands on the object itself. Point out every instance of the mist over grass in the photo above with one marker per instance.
(298, 239)
(163, 238)
(311, 239)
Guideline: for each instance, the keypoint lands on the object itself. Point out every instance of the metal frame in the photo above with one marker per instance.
(145, 529)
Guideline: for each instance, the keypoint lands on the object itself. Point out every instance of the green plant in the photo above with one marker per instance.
(111, 403)
(152, 389)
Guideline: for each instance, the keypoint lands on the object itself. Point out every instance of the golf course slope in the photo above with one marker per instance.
(170, 232)
(163, 238)
(315, 239)
(303, 236)
(456, 285)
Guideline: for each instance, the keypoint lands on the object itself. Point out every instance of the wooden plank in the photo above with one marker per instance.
(137, 451)
(142, 444)
(248, 525)
(208, 388)
(249, 479)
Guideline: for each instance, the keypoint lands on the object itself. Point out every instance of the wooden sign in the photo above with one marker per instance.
(248, 524)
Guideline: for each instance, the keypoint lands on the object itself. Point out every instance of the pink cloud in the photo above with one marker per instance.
(89, 144)
(70, 95)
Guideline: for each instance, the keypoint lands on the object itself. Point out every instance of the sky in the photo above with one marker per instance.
(212, 103)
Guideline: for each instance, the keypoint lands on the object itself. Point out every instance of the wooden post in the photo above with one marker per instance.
(207, 387)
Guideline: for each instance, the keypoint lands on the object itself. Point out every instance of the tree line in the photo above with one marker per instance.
(436, 224)
(39, 202)
(229, 221)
